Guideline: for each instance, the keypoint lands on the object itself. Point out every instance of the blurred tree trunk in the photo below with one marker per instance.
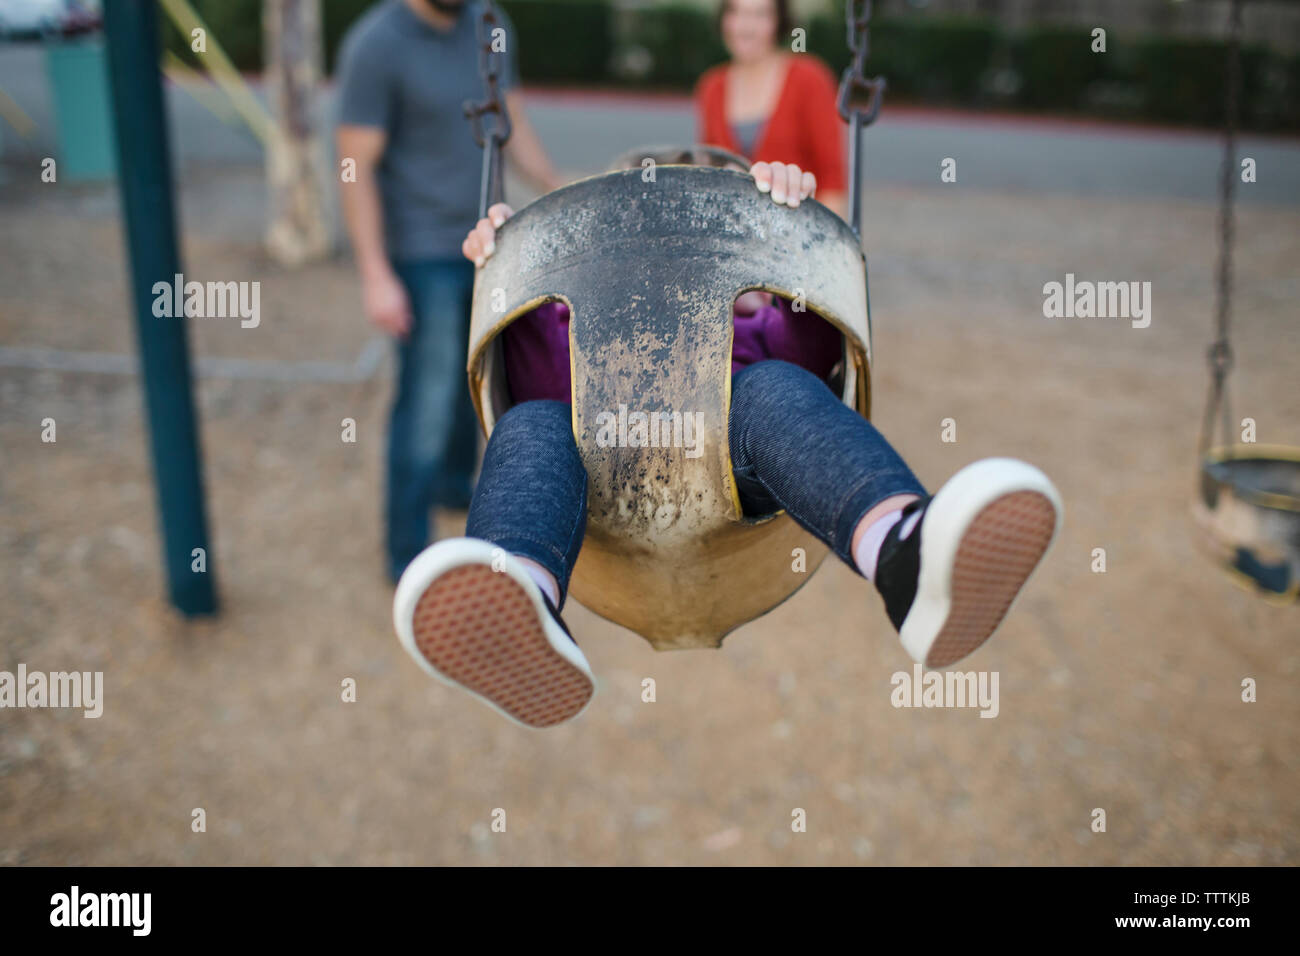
(298, 230)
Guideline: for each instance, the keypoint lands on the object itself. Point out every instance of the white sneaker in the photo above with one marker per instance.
(472, 617)
(949, 583)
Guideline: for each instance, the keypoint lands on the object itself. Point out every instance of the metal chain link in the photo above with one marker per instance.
(492, 185)
(857, 17)
(1220, 352)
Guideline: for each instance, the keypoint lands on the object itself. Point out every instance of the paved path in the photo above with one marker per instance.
(584, 131)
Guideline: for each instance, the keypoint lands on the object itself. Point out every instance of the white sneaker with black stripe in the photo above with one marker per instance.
(471, 616)
(950, 582)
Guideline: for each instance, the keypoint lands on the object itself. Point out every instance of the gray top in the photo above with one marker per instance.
(399, 73)
(747, 135)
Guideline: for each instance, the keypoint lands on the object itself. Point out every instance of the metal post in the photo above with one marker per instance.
(855, 174)
(144, 180)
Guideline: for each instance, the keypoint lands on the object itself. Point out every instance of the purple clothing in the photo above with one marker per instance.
(537, 346)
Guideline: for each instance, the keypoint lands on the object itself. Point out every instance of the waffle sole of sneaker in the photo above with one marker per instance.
(489, 633)
(987, 530)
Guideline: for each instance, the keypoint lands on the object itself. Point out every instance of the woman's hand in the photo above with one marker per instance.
(482, 239)
(787, 183)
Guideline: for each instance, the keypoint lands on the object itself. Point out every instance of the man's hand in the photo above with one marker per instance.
(787, 183)
(382, 293)
(386, 303)
(482, 239)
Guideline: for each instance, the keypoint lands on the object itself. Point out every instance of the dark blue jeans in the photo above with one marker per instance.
(433, 432)
(794, 445)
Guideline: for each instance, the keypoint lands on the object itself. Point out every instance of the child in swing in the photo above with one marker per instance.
(483, 612)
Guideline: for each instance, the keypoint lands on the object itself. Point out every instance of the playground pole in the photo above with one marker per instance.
(144, 180)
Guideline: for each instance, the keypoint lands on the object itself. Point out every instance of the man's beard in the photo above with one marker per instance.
(449, 7)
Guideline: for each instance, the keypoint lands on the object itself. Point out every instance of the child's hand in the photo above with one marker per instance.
(482, 239)
(786, 182)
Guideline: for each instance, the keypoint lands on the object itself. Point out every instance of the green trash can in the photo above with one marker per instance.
(79, 80)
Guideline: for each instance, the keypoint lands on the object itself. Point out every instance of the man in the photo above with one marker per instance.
(406, 69)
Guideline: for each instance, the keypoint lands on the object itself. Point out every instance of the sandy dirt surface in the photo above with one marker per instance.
(1119, 691)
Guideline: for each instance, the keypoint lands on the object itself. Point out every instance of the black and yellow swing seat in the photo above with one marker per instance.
(1248, 502)
(650, 267)
(1249, 511)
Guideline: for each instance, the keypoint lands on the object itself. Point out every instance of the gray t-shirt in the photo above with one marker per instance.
(399, 73)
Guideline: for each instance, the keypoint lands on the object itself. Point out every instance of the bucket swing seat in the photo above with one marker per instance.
(650, 270)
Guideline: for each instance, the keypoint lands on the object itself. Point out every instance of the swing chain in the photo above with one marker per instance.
(491, 187)
(1220, 352)
(857, 17)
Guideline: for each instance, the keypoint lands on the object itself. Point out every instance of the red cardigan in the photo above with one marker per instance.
(804, 128)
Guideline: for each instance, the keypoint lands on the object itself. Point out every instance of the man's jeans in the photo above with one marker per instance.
(433, 434)
(794, 445)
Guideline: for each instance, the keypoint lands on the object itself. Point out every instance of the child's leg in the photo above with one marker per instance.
(948, 567)
(794, 445)
(475, 611)
(531, 498)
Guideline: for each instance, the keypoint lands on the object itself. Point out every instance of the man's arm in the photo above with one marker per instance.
(525, 151)
(384, 296)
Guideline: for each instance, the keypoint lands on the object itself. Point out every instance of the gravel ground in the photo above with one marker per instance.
(1118, 690)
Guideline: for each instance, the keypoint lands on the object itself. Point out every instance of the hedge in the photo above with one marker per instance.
(938, 61)
(1185, 81)
(572, 39)
(682, 42)
(234, 24)
(962, 61)
(1057, 68)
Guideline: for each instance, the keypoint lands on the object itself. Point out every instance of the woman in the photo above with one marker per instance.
(771, 105)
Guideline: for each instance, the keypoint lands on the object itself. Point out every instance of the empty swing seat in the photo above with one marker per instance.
(1249, 509)
(650, 270)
